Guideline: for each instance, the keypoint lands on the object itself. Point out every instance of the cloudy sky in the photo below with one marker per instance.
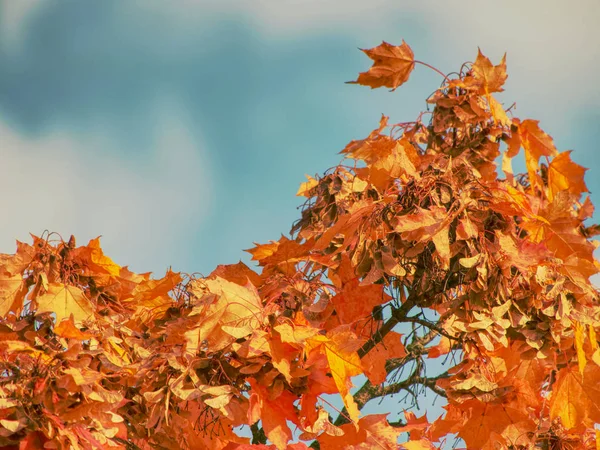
(180, 130)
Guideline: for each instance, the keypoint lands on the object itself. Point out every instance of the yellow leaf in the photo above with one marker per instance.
(565, 175)
(579, 338)
(305, 187)
(100, 260)
(13, 425)
(295, 334)
(64, 300)
(11, 287)
(235, 313)
(421, 444)
(593, 339)
(344, 363)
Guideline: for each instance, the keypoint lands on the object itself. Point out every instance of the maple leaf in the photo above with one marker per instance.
(491, 77)
(391, 67)
(486, 419)
(317, 383)
(151, 297)
(234, 313)
(373, 431)
(355, 302)
(374, 362)
(274, 411)
(421, 444)
(12, 292)
(576, 398)
(340, 348)
(238, 273)
(535, 142)
(565, 175)
(579, 338)
(306, 187)
(65, 301)
(95, 260)
(67, 329)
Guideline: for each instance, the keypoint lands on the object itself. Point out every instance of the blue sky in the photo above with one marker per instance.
(181, 130)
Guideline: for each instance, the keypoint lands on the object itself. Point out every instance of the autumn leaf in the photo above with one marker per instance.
(96, 260)
(576, 398)
(579, 338)
(151, 297)
(307, 186)
(356, 302)
(340, 349)
(67, 329)
(234, 313)
(421, 444)
(374, 362)
(65, 301)
(373, 431)
(274, 412)
(391, 67)
(488, 419)
(565, 175)
(11, 292)
(491, 77)
(238, 273)
(318, 382)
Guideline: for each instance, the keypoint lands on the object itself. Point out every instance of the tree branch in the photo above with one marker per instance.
(398, 315)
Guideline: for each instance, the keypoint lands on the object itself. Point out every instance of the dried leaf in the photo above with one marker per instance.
(391, 67)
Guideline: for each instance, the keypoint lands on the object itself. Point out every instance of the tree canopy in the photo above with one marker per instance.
(422, 245)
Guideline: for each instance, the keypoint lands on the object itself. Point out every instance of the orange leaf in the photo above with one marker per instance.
(340, 349)
(373, 431)
(536, 143)
(374, 361)
(318, 383)
(67, 329)
(391, 68)
(576, 398)
(565, 175)
(238, 273)
(489, 423)
(235, 314)
(100, 261)
(491, 77)
(274, 413)
(443, 348)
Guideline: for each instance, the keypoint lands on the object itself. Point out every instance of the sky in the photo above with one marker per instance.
(180, 131)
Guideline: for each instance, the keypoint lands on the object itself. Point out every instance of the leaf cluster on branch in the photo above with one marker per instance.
(413, 249)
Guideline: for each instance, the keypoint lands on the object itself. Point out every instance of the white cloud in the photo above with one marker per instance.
(83, 184)
(14, 15)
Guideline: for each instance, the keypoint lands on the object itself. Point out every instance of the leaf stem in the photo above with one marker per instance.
(431, 67)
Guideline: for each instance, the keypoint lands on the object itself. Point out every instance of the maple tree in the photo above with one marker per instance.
(415, 250)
